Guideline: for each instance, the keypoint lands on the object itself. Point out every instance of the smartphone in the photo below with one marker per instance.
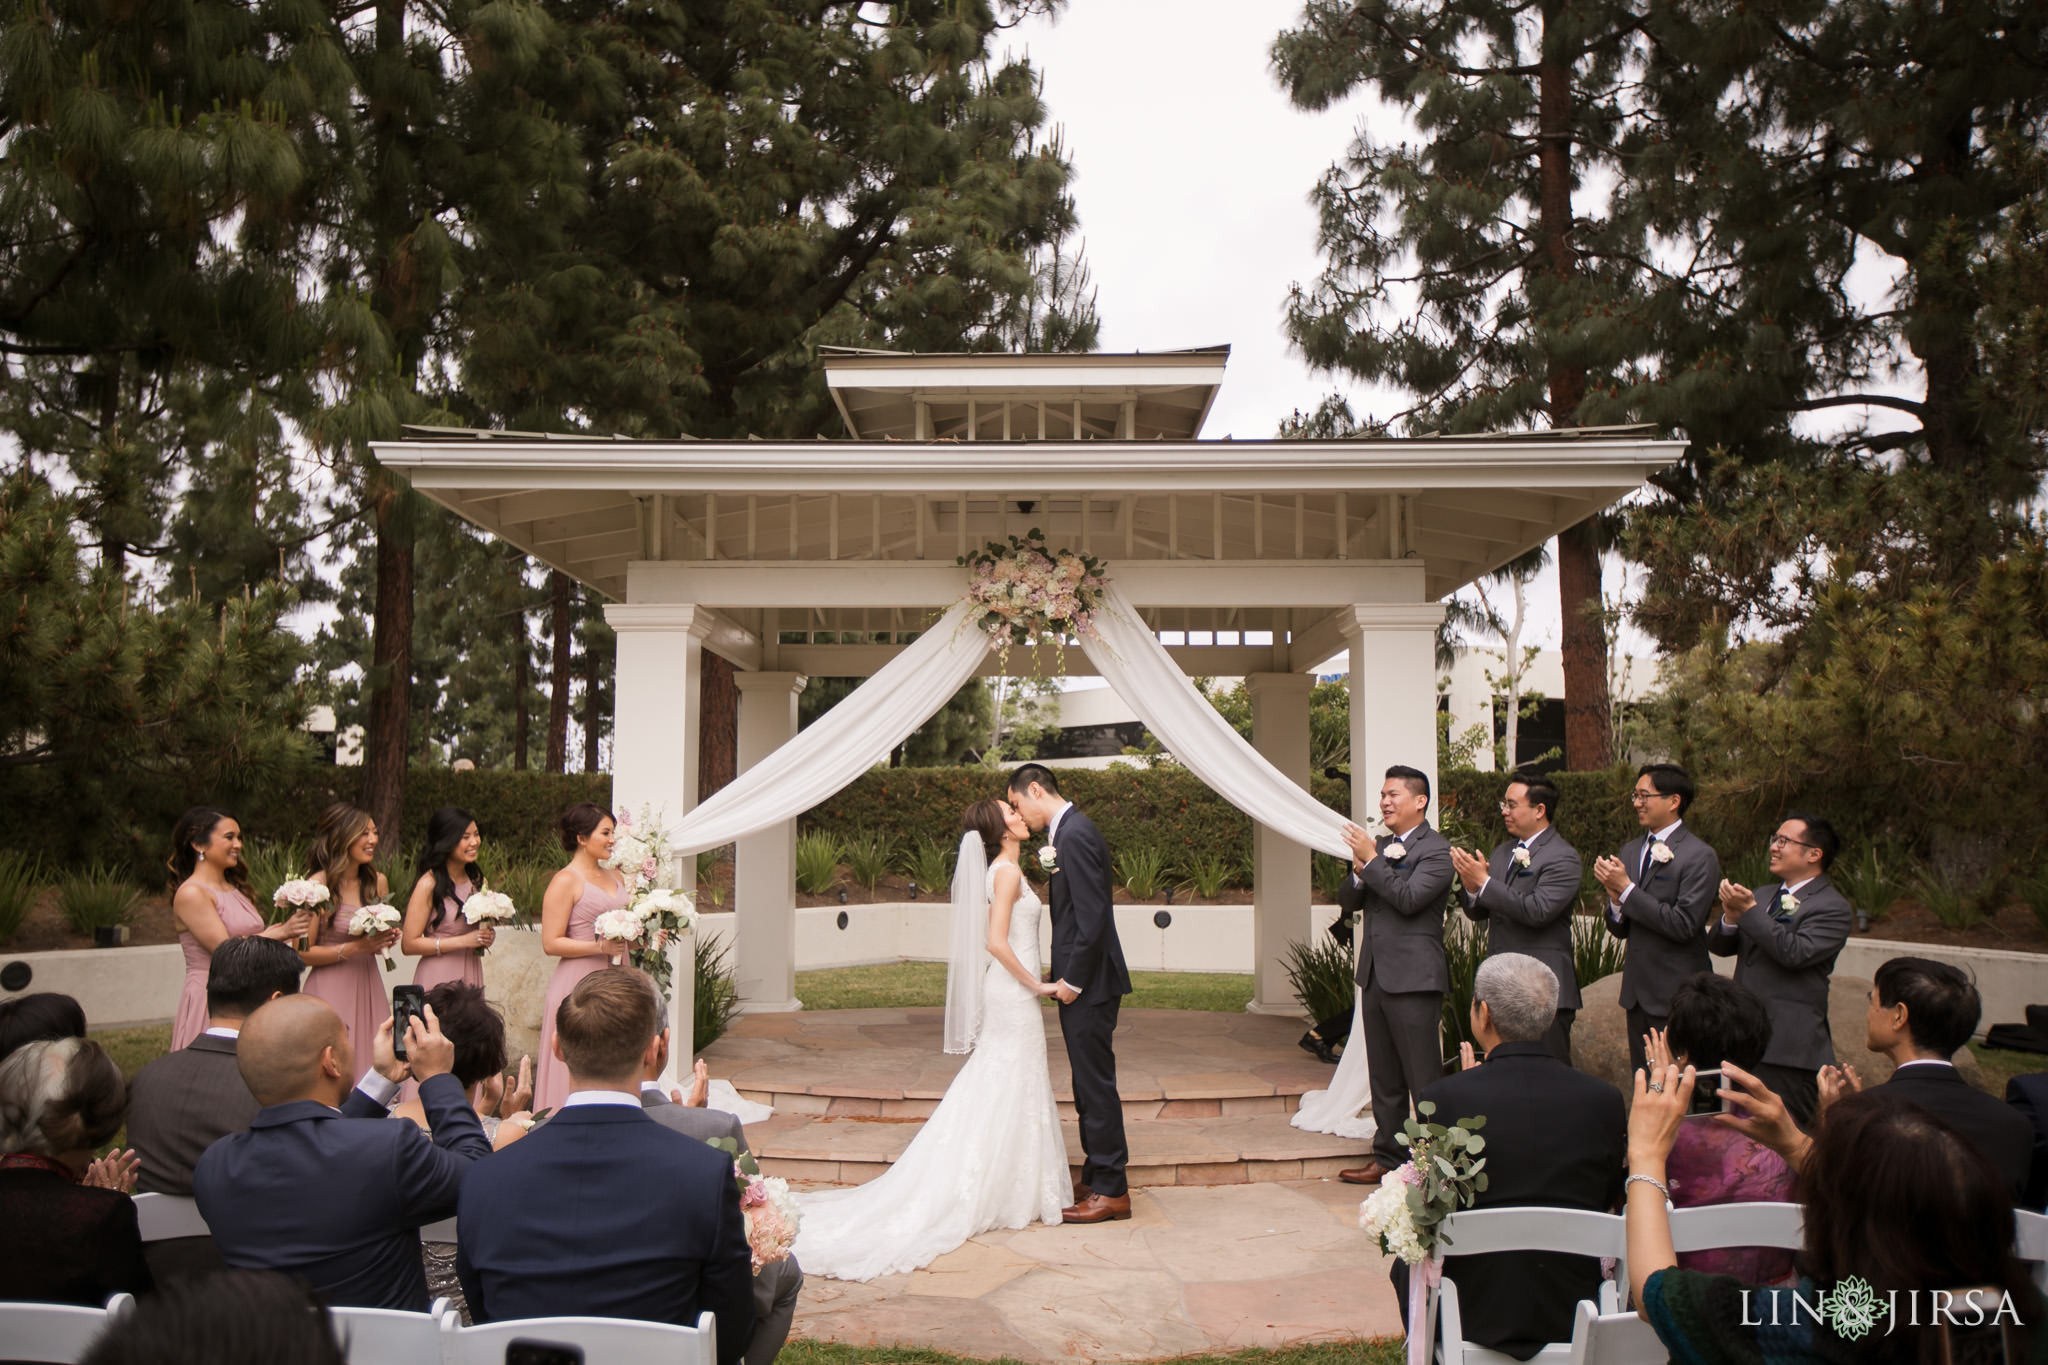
(524, 1351)
(1714, 1098)
(407, 1003)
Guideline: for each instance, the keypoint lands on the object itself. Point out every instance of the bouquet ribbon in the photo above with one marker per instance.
(1422, 1283)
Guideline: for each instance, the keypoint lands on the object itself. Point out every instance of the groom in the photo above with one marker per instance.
(1088, 965)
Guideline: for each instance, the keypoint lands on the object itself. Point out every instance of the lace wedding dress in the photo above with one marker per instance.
(990, 1157)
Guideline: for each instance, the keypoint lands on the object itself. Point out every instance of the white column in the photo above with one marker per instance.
(659, 679)
(1393, 695)
(1280, 871)
(764, 868)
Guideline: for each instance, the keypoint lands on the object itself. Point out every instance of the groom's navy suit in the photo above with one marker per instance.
(1087, 955)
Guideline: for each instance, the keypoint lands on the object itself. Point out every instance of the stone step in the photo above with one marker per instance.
(1216, 1148)
(854, 1102)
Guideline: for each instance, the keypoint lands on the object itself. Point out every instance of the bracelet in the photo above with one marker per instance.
(437, 947)
(1651, 1181)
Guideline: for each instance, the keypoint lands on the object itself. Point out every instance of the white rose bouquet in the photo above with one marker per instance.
(372, 920)
(766, 1205)
(1445, 1173)
(492, 907)
(621, 924)
(299, 894)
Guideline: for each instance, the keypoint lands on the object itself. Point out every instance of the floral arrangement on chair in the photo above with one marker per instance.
(1026, 594)
(640, 854)
(766, 1205)
(1444, 1173)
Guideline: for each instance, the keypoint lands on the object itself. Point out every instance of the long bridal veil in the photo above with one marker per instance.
(968, 958)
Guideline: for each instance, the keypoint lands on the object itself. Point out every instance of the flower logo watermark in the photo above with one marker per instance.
(1852, 1308)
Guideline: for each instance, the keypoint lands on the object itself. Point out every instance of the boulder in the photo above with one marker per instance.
(1600, 1034)
(516, 976)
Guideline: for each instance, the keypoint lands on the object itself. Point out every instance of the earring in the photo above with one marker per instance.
(202, 855)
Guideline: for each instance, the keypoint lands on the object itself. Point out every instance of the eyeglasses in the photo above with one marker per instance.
(1644, 798)
(1779, 841)
(1507, 806)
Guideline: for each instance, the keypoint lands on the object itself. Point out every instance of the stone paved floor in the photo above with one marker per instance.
(1195, 1269)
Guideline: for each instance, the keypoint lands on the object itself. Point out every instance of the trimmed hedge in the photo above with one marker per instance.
(514, 811)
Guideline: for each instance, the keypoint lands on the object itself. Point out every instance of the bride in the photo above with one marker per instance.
(991, 1156)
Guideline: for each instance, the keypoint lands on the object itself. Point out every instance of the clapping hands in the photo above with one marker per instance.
(117, 1170)
(1471, 869)
(1612, 875)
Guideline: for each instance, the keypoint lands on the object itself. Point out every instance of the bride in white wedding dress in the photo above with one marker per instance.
(992, 1155)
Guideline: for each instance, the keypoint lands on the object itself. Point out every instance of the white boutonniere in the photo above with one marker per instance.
(1660, 852)
(1522, 856)
(1049, 858)
(1394, 852)
(1789, 903)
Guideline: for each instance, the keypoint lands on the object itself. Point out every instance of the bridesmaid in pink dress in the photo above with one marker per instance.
(213, 903)
(344, 966)
(575, 898)
(448, 946)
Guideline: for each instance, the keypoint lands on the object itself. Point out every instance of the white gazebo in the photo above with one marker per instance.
(823, 558)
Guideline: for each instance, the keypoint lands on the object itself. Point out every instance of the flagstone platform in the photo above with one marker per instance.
(1206, 1095)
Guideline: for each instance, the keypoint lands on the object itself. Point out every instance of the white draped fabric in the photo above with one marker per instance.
(1346, 1107)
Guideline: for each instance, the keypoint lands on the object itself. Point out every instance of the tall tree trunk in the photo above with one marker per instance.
(521, 648)
(562, 624)
(386, 746)
(592, 711)
(1588, 735)
(718, 727)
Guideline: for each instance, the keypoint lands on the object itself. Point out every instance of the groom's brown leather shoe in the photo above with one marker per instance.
(1371, 1173)
(1098, 1208)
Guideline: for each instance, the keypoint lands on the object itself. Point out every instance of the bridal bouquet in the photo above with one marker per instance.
(766, 1205)
(1025, 594)
(1444, 1174)
(296, 895)
(372, 920)
(638, 857)
(661, 908)
(620, 924)
(490, 906)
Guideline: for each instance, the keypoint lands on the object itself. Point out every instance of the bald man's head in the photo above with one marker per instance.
(294, 1048)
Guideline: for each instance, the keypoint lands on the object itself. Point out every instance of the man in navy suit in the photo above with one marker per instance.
(601, 1211)
(318, 1188)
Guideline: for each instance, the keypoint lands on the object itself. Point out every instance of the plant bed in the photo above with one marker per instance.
(2013, 929)
(45, 930)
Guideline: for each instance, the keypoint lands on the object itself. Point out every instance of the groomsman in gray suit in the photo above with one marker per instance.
(1527, 889)
(1399, 885)
(1661, 892)
(1785, 939)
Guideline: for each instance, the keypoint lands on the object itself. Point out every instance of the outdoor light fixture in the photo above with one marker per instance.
(1862, 921)
(842, 895)
(1169, 893)
(913, 890)
(1162, 918)
(843, 921)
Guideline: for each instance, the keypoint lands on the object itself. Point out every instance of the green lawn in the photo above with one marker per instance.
(134, 1048)
(909, 985)
(2001, 1065)
(1375, 1351)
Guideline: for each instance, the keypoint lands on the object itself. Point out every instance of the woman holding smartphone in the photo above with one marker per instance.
(448, 946)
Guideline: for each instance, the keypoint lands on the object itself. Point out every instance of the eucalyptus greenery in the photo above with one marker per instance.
(1453, 1172)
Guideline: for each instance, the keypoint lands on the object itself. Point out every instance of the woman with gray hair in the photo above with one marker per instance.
(59, 1100)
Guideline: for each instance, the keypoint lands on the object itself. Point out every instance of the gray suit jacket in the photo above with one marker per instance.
(1530, 908)
(1665, 919)
(1788, 963)
(701, 1124)
(1400, 906)
(181, 1104)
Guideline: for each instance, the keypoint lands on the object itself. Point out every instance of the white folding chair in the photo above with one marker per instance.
(1719, 1227)
(58, 1333)
(2031, 1244)
(386, 1336)
(165, 1216)
(1475, 1232)
(1600, 1338)
(603, 1341)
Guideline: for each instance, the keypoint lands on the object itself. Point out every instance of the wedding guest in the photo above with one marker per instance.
(1399, 886)
(1660, 894)
(212, 902)
(229, 1317)
(1527, 890)
(38, 1016)
(1785, 951)
(70, 1243)
(185, 1101)
(2028, 1096)
(1715, 1021)
(344, 972)
(777, 1284)
(1893, 1196)
(448, 946)
(476, 1028)
(602, 1211)
(316, 1188)
(1922, 1013)
(577, 895)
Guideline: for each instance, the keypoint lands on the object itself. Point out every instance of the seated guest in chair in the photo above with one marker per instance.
(1893, 1197)
(1554, 1138)
(778, 1283)
(66, 1243)
(1921, 1014)
(1785, 939)
(601, 1211)
(36, 1016)
(228, 1317)
(1714, 1021)
(2028, 1096)
(316, 1187)
(477, 1030)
